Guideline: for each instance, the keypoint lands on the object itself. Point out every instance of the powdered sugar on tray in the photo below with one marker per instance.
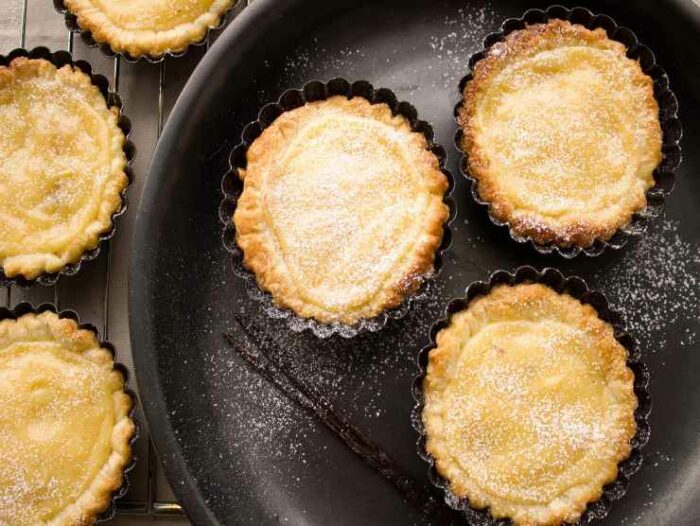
(656, 286)
(466, 31)
(345, 368)
(341, 60)
(356, 377)
(447, 53)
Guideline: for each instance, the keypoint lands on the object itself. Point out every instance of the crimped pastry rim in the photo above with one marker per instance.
(290, 99)
(577, 288)
(668, 117)
(113, 101)
(24, 308)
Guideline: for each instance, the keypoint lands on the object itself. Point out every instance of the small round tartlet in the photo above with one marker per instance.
(342, 209)
(65, 430)
(63, 166)
(529, 406)
(561, 132)
(149, 28)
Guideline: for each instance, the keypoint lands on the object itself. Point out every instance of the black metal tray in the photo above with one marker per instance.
(237, 451)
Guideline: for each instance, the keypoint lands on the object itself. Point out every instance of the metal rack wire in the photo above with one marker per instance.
(151, 506)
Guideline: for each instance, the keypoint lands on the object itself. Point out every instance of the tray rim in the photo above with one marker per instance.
(150, 394)
(152, 399)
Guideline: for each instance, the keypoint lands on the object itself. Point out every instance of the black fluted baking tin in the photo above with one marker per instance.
(26, 308)
(577, 288)
(232, 187)
(60, 59)
(86, 36)
(668, 117)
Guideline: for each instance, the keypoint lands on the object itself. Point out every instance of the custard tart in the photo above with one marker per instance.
(65, 429)
(148, 27)
(562, 133)
(63, 166)
(342, 209)
(529, 405)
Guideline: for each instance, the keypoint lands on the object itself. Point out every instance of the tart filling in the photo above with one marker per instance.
(342, 209)
(529, 404)
(62, 170)
(148, 27)
(562, 133)
(64, 426)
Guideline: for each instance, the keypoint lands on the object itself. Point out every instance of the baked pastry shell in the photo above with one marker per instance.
(60, 59)
(232, 187)
(577, 288)
(671, 128)
(27, 308)
(71, 22)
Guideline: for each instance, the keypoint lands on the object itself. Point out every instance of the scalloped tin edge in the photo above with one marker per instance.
(668, 117)
(71, 22)
(577, 288)
(231, 188)
(112, 99)
(23, 308)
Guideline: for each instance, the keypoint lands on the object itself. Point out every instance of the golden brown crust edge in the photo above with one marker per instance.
(153, 44)
(249, 220)
(98, 496)
(442, 359)
(31, 266)
(515, 44)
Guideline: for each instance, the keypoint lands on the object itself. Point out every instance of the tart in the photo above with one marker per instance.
(63, 166)
(148, 27)
(529, 405)
(342, 209)
(65, 430)
(562, 133)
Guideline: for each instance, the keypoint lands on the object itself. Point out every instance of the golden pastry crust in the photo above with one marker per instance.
(151, 28)
(65, 429)
(562, 133)
(342, 209)
(63, 166)
(529, 404)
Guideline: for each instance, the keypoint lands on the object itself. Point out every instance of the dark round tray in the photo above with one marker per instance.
(237, 450)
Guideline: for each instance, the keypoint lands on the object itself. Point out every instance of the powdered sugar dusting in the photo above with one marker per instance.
(356, 377)
(656, 285)
(445, 51)
(466, 30)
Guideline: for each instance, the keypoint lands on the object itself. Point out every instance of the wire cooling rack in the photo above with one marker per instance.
(98, 292)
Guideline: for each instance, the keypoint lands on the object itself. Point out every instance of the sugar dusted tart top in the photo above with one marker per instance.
(562, 133)
(342, 209)
(529, 405)
(65, 429)
(63, 166)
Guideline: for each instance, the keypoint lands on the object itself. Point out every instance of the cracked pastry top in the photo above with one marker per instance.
(562, 133)
(62, 170)
(148, 27)
(529, 405)
(65, 430)
(342, 209)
